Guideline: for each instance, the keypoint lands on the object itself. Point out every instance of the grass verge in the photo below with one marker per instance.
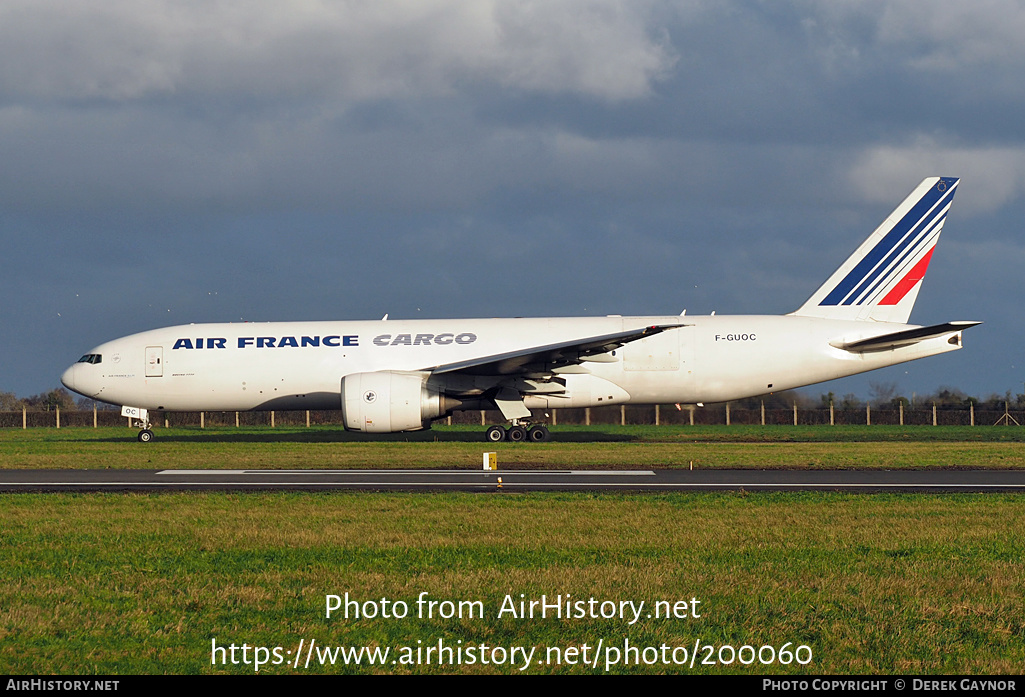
(872, 584)
(819, 447)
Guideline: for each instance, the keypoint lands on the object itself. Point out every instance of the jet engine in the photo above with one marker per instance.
(388, 401)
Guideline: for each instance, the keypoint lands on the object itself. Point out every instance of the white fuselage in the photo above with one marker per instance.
(400, 375)
(300, 365)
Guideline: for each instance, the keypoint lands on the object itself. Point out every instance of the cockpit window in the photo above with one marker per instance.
(91, 358)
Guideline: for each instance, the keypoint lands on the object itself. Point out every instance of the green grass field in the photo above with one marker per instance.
(871, 584)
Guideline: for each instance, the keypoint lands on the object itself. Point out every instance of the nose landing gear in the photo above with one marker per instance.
(142, 416)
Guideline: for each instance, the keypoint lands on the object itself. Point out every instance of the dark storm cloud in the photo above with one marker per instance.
(171, 162)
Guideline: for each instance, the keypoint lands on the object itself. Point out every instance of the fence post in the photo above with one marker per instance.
(24, 418)
(481, 417)
(622, 415)
(868, 414)
(202, 419)
(901, 405)
(763, 412)
(727, 413)
(934, 413)
(795, 412)
(832, 422)
(555, 417)
(657, 415)
(691, 410)
(587, 416)
(972, 410)
(272, 418)
(58, 417)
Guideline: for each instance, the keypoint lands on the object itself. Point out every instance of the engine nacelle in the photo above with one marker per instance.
(386, 401)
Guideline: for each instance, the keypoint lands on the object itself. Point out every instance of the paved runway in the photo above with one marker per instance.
(925, 481)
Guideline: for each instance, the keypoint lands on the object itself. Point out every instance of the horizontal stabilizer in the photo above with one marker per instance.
(905, 337)
(550, 355)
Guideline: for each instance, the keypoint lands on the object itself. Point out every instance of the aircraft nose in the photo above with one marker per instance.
(68, 378)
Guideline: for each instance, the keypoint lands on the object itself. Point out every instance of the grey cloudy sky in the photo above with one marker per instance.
(176, 162)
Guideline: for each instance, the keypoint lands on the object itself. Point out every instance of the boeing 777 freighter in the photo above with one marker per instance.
(401, 375)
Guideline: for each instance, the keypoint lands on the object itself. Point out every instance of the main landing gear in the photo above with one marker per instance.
(510, 403)
(517, 433)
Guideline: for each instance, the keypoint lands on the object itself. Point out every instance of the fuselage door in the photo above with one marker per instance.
(154, 361)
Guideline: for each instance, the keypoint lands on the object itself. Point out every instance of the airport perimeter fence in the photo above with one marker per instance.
(669, 415)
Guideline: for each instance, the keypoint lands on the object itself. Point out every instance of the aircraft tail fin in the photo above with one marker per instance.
(881, 280)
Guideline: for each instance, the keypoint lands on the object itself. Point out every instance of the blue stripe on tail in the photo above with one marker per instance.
(891, 246)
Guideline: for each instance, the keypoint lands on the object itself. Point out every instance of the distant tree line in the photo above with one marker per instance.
(883, 395)
(886, 395)
(59, 398)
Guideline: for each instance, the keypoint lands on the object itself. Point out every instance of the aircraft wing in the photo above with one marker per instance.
(545, 358)
(905, 337)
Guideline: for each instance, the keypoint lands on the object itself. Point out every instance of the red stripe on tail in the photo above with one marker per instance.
(913, 276)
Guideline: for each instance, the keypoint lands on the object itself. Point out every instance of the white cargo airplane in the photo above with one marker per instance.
(400, 375)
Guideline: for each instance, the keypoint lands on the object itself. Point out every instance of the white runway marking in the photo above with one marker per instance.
(981, 481)
(500, 473)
